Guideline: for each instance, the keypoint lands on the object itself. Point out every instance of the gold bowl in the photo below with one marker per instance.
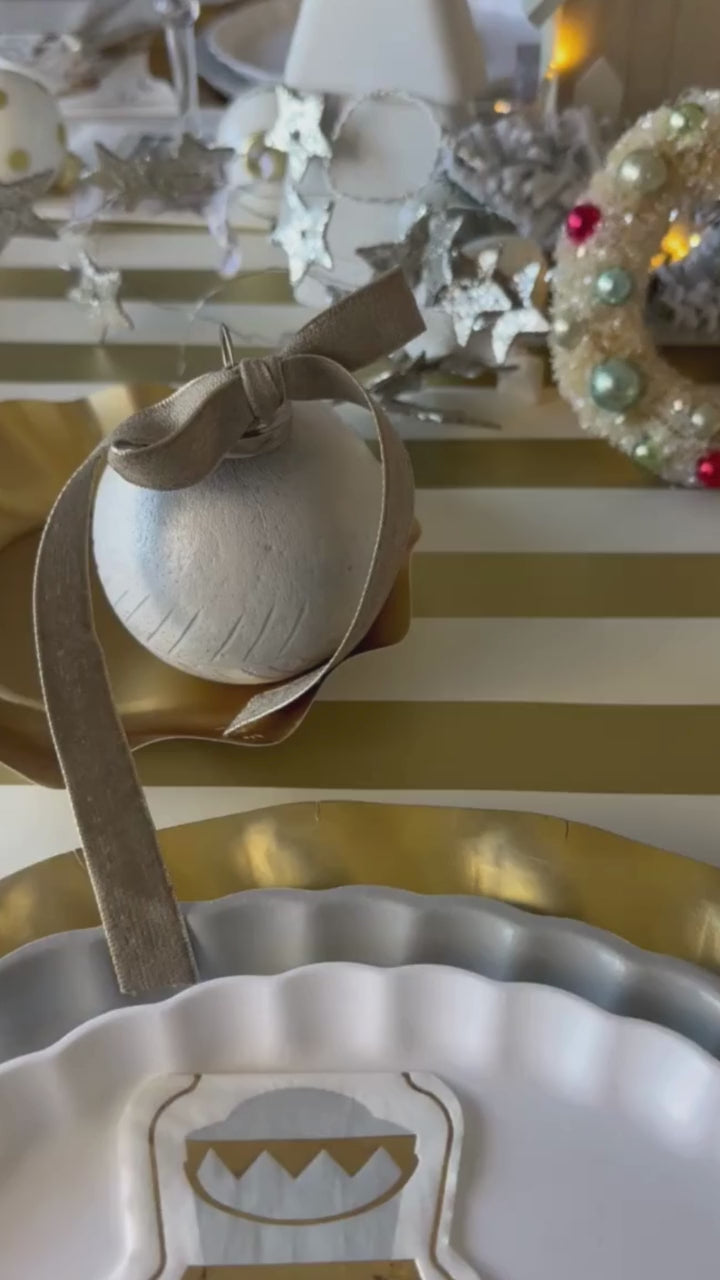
(41, 444)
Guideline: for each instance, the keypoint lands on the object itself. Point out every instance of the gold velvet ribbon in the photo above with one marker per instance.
(236, 411)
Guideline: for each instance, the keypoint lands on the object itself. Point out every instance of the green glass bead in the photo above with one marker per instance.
(643, 171)
(613, 286)
(616, 385)
(686, 117)
(646, 454)
(567, 331)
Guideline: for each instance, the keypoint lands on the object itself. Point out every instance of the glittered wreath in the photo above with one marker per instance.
(605, 361)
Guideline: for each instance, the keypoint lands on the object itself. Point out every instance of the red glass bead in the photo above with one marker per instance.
(708, 470)
(582, 221)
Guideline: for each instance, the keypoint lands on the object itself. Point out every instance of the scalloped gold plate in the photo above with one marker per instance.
(41, 444)
(655, 899)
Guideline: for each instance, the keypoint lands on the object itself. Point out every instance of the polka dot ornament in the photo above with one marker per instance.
(605, 361)
(32, 134)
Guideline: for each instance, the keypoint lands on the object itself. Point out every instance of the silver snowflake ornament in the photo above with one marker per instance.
(408, 254)
(437, 272)
(298, 130)
(301, 232)
(97, 290)
(17, 216)
(524, 318)
(425, 254)
(473, 301)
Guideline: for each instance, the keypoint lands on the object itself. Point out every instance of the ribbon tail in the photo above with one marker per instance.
(146, 934)
(313, 377)
(365, 326)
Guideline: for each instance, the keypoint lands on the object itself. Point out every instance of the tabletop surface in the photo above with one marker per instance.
(565, 651)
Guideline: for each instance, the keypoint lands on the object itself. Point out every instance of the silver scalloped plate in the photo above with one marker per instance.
(49, 987)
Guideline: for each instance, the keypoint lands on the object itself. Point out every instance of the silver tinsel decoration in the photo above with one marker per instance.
(526, 168)
(397, 388)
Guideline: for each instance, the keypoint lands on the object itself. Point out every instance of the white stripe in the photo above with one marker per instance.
(55, 391)
(39, 823)
(166, 324)
(562, 660)
(569, 520)
(166, 249)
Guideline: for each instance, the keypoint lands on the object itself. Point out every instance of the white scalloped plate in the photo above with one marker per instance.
(588, 1144)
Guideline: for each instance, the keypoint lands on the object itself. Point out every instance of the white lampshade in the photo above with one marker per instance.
(428, 48)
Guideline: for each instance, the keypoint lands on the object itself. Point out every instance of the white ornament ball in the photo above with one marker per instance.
(32, 134)
(254, 574)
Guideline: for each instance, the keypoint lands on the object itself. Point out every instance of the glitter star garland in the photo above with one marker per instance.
(605, 361)
(97, 291)
(17, 216)
(301, 232)
(298, 132)
(186, 177)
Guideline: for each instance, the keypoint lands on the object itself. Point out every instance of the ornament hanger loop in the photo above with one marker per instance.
(226, 347)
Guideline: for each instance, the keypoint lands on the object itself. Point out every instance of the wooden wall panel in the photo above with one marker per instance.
(657, 47)
(696, 47)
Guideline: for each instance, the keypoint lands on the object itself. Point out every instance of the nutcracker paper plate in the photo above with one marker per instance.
(349, 1123)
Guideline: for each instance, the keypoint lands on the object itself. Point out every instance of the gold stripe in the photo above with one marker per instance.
(458, 464)
(159, 228)
(565, 585)
(74, 362)
(655, 899)
(256, 287)
(465, 746)
(395, 1269)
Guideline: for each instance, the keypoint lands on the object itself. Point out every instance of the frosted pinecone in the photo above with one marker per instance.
(528, 170)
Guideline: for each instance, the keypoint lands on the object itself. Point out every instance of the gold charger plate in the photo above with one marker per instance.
(41, 444)
(657, 900)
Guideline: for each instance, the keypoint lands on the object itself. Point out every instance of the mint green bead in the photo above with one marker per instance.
(613, 286)
(616, 385)
(643, 171)
(686, 117)
(647, 454)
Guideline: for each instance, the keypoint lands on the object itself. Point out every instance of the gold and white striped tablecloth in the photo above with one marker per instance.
(565, 649)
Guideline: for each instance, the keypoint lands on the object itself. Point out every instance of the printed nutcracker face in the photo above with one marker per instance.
(303, 1177)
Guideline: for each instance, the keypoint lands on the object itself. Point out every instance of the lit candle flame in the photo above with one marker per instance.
(570, 47)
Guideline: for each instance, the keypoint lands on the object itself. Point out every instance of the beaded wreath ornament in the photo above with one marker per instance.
(605, 361)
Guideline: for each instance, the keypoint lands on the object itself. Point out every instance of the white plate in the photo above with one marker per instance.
(253, 41)
(588, 1145)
